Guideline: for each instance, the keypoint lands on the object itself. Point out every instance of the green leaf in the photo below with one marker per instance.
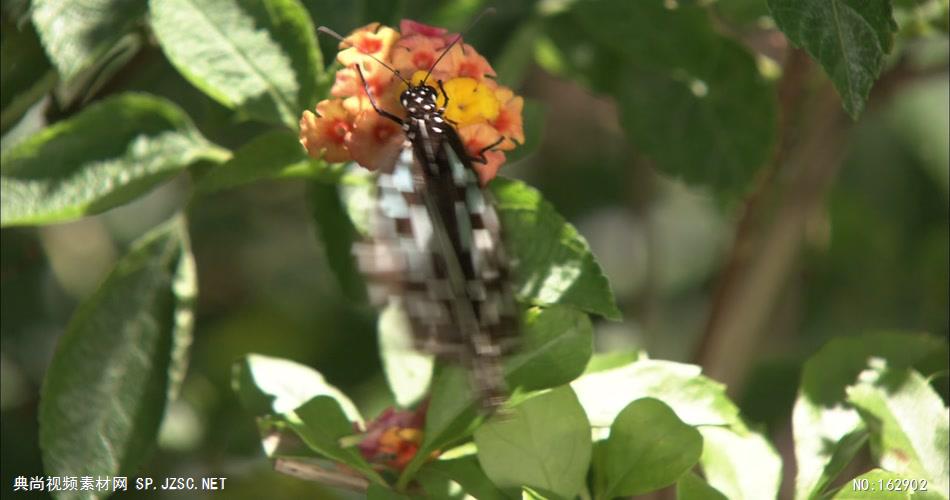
(109, 154)
(603, 361)
(741, 464)
(408, 371)
(649, 448)
(25, 73)
(259, 57)
(690, 99)
(557, 344)
(543, 443)
(555, 264)
(120, 362)
(379, 492)
(821, 419)
(268, 385)
(75, 34)
(880, 484)
(849, 38)
(696, 399)
(456, 478)
(273, 155)
(692, 487)
(321, 423)
(910, 426)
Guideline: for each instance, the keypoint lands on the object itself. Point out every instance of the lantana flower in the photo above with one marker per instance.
(394, 437)
(345, 127)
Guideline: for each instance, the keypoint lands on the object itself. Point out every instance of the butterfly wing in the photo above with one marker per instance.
(436, 247)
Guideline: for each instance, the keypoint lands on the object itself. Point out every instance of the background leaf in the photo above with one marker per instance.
(119, 363)
(649, 448)
(554, 262)
(25, 73)
(106, 155)
(848, 38)
(75, 34)
(259, 57)
(690, 99)
(527, 447)
(910, 425)
(272, 155)
(337, 232)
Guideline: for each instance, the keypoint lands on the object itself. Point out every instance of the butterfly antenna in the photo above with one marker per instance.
(334, 34)
(490, 10)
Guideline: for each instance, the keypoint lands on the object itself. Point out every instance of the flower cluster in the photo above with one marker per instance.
(394, 437)
(345, 127)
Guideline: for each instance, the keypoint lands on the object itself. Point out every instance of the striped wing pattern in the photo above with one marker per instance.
(437, 248)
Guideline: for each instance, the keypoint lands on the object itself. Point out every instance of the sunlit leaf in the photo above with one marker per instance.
(554, 262)
(740, 464)
(259, 57)
(878, 484)
(696, 399)
(75, 34)
(273, 385)
(909, 423)
(821, 417)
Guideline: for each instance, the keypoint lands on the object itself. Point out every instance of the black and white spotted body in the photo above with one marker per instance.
(437, 248)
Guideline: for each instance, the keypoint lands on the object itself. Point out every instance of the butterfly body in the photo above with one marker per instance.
(437, 249)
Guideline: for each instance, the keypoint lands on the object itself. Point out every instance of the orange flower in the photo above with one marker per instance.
(375, 141)
(476, 138)
(347, 128)
(418, 53)
(465, 61)
(509, 122)
(323, 134)
(371, 40)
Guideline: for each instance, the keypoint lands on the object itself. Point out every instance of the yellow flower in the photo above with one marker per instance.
(470, 102)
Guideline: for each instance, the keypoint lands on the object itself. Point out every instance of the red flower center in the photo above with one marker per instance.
(370, 45)
(469, 69)
(382, 133)
(338, 131)
(423, 59)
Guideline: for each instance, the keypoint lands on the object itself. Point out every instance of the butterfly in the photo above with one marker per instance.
(436, 246)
